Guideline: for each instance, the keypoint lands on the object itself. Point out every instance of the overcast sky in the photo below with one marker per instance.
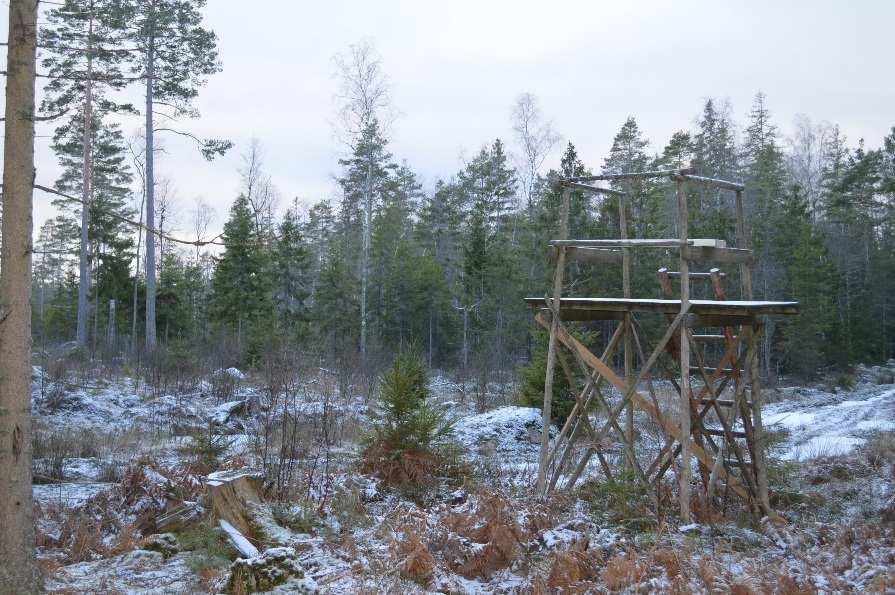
(456, 67)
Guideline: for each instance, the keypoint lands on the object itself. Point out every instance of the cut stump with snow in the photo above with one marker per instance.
(230, 493)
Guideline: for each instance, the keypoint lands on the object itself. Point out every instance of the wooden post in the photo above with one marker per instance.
(684, 357)
(551, 345)
(761, 471)
(626, 289)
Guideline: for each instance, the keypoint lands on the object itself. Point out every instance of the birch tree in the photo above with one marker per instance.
(364, 103)
(536, 139)
(18, 570)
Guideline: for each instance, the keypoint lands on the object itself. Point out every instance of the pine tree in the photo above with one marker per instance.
(108, 238)
(83, 63)
(173, 56)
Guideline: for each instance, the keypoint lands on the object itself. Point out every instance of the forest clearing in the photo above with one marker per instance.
(269, 334)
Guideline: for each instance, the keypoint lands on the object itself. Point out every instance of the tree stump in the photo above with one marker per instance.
(230, 492)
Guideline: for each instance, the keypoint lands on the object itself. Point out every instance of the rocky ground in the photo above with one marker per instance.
(115, 457)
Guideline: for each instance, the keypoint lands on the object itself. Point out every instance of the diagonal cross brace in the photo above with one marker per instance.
(630, 392)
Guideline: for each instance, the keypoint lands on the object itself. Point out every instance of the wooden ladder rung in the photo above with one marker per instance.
(693, 276)
(721, 402)
(736, 463)
(713, 370)
(720, 432)
(711, 338)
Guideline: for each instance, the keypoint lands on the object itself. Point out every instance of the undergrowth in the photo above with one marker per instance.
(208, 545)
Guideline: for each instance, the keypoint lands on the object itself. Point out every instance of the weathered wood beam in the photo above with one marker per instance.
(551, 345)
(724, 184)
(693, 276)
(602, 255)
(594, 189)
(641, 243)
(684, 356)
(701, 307)
(634, 175)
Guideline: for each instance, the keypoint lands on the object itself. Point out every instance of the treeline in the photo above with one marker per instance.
(448, 267)
(391, 263)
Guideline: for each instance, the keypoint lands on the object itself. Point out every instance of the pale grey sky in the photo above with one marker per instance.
(457, 66)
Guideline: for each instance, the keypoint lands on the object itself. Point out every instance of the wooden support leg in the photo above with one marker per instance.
(684, 359)
(760, 462)
(551, 345)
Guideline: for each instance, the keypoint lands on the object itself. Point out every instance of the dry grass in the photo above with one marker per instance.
(575, 569)
(409, 471)
(493, 525)
(418, 564)
(623, 570)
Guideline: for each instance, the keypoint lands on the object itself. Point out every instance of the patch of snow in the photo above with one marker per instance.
(221, 414)
(559, 536)
(138, 572)
(825, 424)
(232, 373)
(219, 478)
(68, 495)
(243, 545)
(508, 430)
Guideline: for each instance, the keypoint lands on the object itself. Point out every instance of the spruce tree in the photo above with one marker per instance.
(292, 283)
(806, 340)
(366, 171)
(714, 156)
(242, 287)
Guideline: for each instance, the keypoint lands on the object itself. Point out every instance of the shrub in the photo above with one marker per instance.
(880, 449)
(409, 434)
(844, 381)
(532, 375)
(624, 499)
(208, 545)
(205, 450)
(300, 519)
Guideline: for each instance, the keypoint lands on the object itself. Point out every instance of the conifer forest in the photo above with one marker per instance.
(579, 325)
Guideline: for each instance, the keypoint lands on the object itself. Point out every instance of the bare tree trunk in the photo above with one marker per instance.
(110, 325)
(86, 182)
(150, 201)
(18, 570)
(136, 276)
(365, 257)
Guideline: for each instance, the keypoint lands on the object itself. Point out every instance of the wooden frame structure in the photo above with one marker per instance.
(705, 426)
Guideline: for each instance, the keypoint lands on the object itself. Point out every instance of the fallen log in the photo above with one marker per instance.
(238, 540)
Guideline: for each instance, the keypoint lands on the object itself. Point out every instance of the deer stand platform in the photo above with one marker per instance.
(717, 421)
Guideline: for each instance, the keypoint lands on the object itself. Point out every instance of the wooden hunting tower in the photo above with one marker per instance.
(717, 418)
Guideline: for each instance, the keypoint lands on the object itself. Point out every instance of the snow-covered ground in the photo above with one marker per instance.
(487, 535)
(819, 423)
